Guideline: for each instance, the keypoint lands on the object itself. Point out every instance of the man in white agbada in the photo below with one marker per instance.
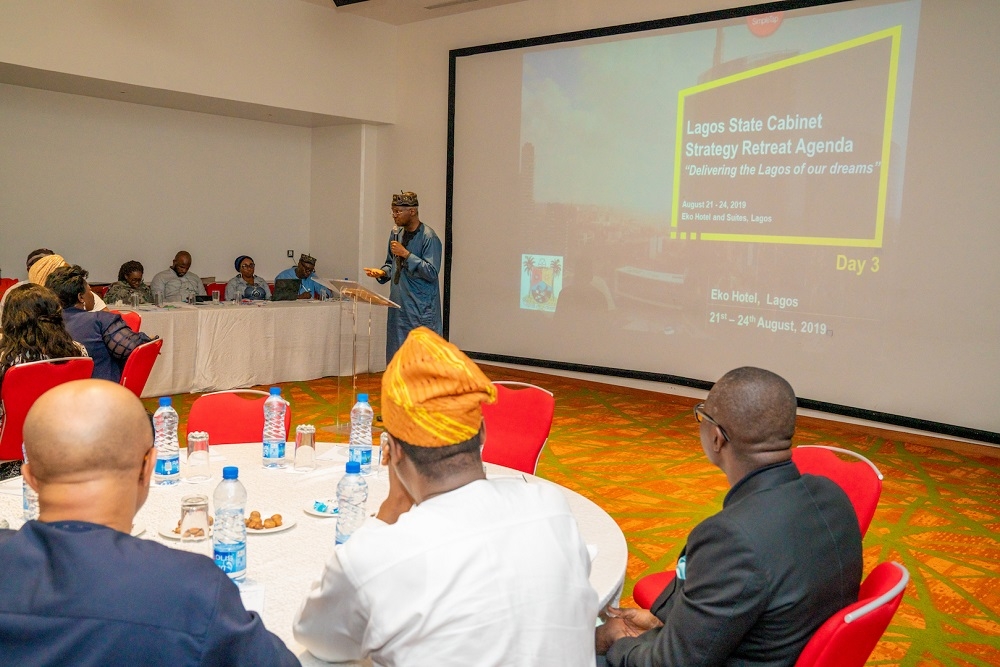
(455, 569)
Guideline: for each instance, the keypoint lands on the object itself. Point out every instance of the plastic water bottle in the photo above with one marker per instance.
(29, 499)
(229, 532)
(352, 493)
(168, 462)
(274, 429)
(360, 449)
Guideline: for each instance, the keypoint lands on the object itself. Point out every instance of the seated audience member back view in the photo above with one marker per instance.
(33, 330)
(455, 569)
(757, 579)
(107, 338)
(77, 588)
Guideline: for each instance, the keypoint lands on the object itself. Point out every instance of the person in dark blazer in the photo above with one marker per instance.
(756, 580)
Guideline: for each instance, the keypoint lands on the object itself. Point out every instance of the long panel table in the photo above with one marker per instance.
(283, 565)
(210, 347)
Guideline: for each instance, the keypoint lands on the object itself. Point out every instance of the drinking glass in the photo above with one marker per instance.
(305, 447)
(194, 518)
(198, 468)
(158, 300)
(135, 300)
(383, 459)
(216, 297)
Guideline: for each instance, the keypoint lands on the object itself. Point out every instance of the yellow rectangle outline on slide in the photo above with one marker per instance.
(895, 34)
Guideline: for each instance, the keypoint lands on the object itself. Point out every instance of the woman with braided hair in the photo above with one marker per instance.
(33, 330)
(129, 283)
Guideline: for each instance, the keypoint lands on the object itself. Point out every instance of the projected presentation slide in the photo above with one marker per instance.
(738, 176)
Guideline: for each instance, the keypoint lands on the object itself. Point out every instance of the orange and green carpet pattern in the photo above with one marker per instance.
(637, 455)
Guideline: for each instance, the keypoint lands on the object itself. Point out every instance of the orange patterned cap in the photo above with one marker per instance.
(432, 392)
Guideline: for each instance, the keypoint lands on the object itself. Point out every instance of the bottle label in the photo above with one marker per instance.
(167, 467)
(274, 450)
(362, 455)
(231, 558)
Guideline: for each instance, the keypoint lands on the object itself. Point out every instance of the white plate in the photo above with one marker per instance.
(285, 525)
(167, 531)
(309, 509)
(137, 530)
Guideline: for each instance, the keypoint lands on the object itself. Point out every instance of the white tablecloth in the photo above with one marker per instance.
(211, 347)
(286, 563)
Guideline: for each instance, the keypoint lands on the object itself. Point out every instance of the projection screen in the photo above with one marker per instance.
(812, 190)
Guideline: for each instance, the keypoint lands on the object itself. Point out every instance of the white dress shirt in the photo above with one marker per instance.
(492, 573)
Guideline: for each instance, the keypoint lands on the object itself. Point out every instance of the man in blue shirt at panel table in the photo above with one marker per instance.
(309, 288)
(77, 589)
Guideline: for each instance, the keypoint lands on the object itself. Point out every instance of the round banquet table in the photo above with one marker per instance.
(281, 566)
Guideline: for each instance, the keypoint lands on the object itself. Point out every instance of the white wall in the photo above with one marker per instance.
(343, 198)
(282, 53)
(103, 182)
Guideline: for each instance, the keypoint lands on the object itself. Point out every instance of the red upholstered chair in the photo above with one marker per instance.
(647, 589)
(859, 478)
(6, 284)
(232, 417)
(850, 635)
(517, 425)
(23, 384)
(139, 365)
(132, 318)
(221, 287)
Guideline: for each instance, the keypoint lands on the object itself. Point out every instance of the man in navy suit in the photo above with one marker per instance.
(756, 580)
(77, 589)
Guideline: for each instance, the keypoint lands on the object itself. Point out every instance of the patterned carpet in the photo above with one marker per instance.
(637, 455)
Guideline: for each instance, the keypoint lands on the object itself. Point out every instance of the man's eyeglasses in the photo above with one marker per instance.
(700, 415)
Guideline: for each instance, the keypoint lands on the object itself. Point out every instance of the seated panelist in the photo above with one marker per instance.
(309, 288)
(245, 284)
(129, 284)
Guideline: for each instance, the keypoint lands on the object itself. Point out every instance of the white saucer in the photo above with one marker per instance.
(167, 531)
(310, 509)
(285, 525)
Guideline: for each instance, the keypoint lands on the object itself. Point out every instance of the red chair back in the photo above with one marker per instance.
(220, 287)
(232, 417)
(849, 636)
(139, 365)
(647, 589)
(517, 425)
(860, 479)
(23, 384)
(6, 284)
(132, 318)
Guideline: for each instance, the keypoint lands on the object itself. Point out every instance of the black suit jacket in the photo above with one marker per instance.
(757, 579)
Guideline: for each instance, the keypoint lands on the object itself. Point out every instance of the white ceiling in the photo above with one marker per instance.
(398, 12)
